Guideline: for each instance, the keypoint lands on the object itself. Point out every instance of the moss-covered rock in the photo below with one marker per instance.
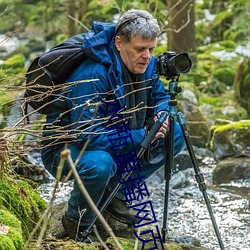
(221, 106)
(21, 199)
(11, 237)
(232, 139)
(224, 75)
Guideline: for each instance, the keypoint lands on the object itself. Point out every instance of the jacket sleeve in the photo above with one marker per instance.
(87, 120)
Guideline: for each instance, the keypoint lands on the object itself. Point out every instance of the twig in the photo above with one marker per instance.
(66, 154)
(136, 240)
(46, 216)
(77, 21)
(99, 238)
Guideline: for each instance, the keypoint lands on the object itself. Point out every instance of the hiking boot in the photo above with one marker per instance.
(74, 231)
(119, 210)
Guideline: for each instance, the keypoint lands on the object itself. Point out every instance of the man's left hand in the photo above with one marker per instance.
(164, 128)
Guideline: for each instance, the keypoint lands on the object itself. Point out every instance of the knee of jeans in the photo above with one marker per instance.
(100, 165)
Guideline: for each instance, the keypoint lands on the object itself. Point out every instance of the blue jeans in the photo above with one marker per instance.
(98, 172)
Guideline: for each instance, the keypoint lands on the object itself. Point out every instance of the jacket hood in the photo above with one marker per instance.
(98, 43)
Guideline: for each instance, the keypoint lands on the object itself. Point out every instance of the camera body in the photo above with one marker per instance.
(171, 65)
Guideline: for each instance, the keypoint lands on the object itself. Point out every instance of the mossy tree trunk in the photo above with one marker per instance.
(242, 84)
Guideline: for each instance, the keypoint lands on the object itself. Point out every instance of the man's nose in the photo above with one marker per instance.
(146, 54)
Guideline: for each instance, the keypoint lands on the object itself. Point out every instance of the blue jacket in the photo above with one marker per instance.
(87, 115)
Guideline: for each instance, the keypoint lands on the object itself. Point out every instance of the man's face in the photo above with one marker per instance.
(137, 53)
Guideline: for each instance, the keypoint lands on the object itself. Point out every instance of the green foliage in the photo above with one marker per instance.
(17, 61)
(214, 101)
(12, 67)
(219, 102)
(229, 23)
(224, 75)
(216, 67)
(221, 23)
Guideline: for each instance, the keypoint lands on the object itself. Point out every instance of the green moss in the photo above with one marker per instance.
(6, 243)
(9, 219)
(16, 61)
(235, 125)
(242, 84)
(13, 239)
(212, 100)
(225, 75)
(21, 199)
(13, 71)
(239, 128)
(228, 45)
(16, 237)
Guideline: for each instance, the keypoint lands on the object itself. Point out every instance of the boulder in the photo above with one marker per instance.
(231, 169)
(231, 139)
(197, 125)
(230, 143)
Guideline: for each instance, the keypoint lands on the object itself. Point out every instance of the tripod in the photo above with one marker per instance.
(173, 90)
(173, 114)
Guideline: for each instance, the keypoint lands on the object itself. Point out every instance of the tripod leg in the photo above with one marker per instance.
(199, 176)
(168, 172)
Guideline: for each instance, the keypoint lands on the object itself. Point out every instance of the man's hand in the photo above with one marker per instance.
(164, 128)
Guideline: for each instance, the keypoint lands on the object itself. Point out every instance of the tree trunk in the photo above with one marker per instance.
(181, 27)
(71, 6)
(83, 7)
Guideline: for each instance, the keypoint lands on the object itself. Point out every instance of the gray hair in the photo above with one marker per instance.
(137, 22)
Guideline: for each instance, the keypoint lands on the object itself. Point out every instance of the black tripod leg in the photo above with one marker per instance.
(104, 205)
(199, 176)
(168, 173)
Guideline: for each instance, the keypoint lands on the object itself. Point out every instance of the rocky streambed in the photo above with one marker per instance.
(187, 213)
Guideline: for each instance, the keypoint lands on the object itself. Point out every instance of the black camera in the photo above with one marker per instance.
(171, 65)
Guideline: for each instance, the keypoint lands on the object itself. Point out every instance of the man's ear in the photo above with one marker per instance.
(118, 43)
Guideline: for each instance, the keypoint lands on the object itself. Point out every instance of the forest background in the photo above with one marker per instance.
(214, 33)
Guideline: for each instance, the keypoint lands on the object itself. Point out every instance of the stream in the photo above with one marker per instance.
(187, 212)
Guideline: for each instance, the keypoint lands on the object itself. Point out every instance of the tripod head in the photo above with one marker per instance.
(174, 89)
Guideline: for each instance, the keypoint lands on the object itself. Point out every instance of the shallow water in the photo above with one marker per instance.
(187, 211)
(188, 214)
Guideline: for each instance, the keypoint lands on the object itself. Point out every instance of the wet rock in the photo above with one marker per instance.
(197, 125)
(231, 139)
(231, 169)
(181, 179)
